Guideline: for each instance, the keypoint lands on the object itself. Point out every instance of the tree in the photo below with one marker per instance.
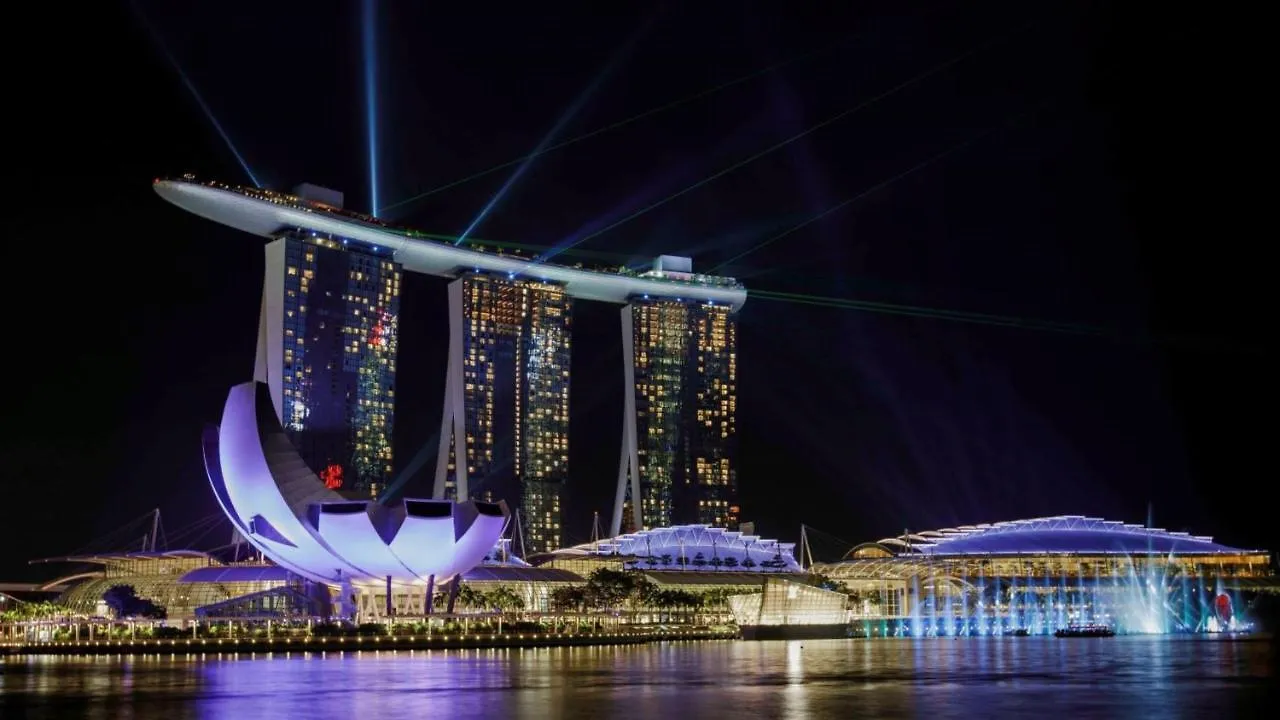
(125, 603)
(504, 599)
(569, 598)
(611, 589)
(40, 610)
(826, 583)
(731, 562)
(472, 598)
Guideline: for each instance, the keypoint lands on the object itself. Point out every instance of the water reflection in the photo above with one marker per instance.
(940, 677)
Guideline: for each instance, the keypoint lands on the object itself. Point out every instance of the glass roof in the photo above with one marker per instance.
(1059, 534)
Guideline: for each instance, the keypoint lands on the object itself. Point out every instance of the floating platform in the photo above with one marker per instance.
(797, 632)
(1086, 631)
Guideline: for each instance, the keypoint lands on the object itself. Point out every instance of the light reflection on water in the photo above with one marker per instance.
(1121, 677)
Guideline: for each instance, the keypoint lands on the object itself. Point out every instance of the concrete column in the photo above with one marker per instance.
(629, 460)
(453, 431)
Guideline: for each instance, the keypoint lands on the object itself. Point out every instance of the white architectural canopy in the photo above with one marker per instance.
(279, 505)
(698, 545)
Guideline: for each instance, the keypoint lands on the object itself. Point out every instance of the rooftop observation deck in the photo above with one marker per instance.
(267, 213)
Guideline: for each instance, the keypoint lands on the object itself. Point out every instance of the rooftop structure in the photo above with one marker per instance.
(1074, 534)
(267, 213)
(1042, 574)
(698, 546)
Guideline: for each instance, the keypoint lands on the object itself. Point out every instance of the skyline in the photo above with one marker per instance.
(1068, 216)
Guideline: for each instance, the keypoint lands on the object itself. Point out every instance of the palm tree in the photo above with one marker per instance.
(505, 599)
(472, 598)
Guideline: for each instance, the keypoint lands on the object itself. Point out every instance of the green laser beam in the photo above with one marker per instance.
(933, 313)
(929, 313)
(1183, 342)
(802, 134)
(876, 188)
(628, 121)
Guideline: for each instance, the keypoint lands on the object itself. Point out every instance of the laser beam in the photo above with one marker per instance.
(933, 313)
(634, 118)
(195, 94)
(804, 133)
(555, 130)
(876, 188)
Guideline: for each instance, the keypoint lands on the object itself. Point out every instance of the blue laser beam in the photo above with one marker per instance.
(369, 36)
(936, 69)
(191, 87)
(555, 131)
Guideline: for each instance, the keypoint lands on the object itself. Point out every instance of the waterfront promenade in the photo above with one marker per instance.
(321, 643)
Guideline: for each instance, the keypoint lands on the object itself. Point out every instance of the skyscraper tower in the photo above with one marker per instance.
(505, 431)
(327, 350)
(679, 445)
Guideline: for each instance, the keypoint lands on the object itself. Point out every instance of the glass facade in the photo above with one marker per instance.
(515, 375)
(341, 305)
(685, 363)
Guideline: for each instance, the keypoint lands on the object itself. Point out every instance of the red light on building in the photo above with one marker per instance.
(332, 477)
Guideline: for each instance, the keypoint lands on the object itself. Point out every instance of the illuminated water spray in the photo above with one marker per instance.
(368, 35)
(195, 94)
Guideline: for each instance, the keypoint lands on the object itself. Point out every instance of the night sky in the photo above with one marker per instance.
(1094, 170)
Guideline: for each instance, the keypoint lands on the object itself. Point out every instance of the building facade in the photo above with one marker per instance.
(679, 448)
(327, 346)
(505, 431)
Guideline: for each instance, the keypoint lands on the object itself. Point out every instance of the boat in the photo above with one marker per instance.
(1087, 631)
(1021, 632)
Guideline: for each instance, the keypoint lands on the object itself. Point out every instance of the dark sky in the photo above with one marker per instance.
(1097, 172)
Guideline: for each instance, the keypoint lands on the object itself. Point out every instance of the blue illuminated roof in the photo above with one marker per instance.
(236, 573)
(1060, 534)
(696, 545)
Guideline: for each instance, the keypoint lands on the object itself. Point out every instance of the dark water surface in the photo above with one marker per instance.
(1133, 677)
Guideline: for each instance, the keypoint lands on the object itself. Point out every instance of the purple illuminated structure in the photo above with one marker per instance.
(283, 509)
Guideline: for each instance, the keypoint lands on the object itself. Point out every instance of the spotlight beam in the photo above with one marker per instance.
(551, 135)
(368, 37)
(802, 134)
(195, 94)
(630, 120)
(876, 188)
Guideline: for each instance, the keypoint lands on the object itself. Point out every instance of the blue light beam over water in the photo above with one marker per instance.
(191, 87)
(555, 131)
(368, 33)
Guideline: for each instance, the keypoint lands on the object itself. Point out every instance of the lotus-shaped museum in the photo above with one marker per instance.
(284, 510)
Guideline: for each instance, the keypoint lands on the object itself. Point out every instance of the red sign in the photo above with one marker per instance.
(332, 477)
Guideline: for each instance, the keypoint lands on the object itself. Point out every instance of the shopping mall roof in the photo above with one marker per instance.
(515, 573)
(698, 545)
(1075, 534)
(236, 574)
(117, 557)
